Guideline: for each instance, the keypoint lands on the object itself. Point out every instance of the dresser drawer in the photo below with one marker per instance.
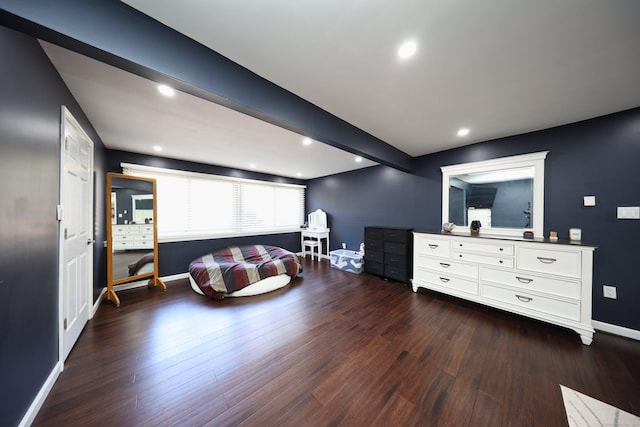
(144, 237)
(123, 238)
(395, 235)
(532, 302)
(395, 248)
(374, 267)
(426, 245)
(123, 245)
(446, 281)
(376, 256)
(395, 273)
(449, 267)
(563, 288)
(485, 248)
(374, 233)
(395, 260)
(119, 230)
(145, 229)
(143, 243)
(563, 263)
(483, 259)
(374, 245)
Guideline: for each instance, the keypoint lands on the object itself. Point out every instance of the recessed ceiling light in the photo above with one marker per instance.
(407, 49)
(463, 132)
(166, 90)
(307, 141)
(252, 165)
(299, 174)
(358, 159)
(157, 148)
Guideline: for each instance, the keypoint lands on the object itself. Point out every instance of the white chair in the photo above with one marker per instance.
(311, 243)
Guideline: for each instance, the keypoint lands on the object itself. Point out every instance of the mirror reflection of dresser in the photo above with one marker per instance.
(132, 236)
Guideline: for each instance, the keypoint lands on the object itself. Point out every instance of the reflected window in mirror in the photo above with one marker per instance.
(142, 207)
(506, 195)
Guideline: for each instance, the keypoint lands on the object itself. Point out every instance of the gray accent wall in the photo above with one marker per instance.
(32, 93)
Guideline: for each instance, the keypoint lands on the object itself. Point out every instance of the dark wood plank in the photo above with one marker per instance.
(333, 348)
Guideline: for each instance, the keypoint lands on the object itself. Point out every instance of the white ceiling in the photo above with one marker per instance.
(130, 115)
(498, 67)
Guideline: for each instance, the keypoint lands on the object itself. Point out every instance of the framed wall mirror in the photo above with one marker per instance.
(132, 236)
(506, 195)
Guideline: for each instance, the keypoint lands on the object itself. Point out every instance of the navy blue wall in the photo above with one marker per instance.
(174, 258)
(596, 157)
(30, 109)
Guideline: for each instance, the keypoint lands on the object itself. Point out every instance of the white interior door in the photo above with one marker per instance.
(76, 231)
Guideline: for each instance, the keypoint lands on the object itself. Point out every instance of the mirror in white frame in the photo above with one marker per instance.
(506, 195)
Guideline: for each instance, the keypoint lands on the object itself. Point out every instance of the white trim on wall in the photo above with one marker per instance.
(616, 330)
(32, 412)
(96, 304)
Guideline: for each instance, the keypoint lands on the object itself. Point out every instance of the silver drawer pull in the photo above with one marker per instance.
(444, 280)
(445, 265)
(524, 279)
(432, 246)
(546, 260)
(523, 299)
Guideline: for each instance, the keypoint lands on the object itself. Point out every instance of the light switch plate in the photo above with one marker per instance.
(589, 200)
(628, 212)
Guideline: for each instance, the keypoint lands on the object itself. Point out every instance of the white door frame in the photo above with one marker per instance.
(64, 117)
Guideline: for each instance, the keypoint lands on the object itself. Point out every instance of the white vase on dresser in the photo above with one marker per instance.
(541, 279)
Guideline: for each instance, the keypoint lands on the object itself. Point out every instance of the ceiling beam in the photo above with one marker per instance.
(113, 32)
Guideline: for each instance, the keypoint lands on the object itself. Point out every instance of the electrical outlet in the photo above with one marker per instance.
(609, 291)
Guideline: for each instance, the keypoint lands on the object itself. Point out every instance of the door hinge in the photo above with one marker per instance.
(65, 233)
(64, 324)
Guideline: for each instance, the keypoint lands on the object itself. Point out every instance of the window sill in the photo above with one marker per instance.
(173, 238)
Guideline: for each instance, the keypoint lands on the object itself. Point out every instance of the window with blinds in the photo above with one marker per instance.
(197, 206)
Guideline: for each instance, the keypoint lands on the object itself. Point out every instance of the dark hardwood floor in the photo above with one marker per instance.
(333, 348)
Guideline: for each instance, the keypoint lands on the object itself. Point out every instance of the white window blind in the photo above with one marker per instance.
(196, 206)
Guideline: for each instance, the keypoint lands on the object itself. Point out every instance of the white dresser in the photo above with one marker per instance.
(549, 281)
(132, 236)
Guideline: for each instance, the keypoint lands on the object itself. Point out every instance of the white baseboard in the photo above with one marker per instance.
(96, 304)
(175, 277)
(617, 330)
(37, 403)
(143, 283)
(320, 256)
